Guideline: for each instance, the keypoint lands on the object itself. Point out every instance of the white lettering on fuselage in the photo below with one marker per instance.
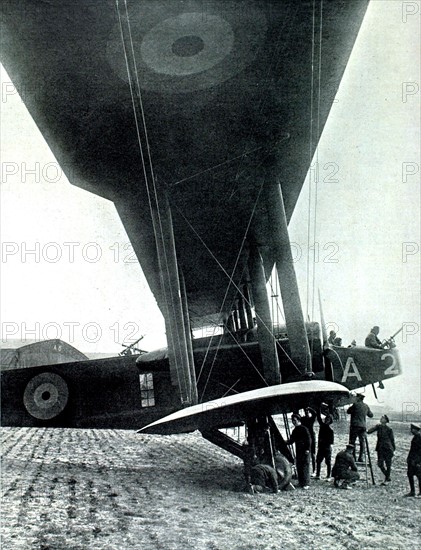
(348, 373)
(393, 368)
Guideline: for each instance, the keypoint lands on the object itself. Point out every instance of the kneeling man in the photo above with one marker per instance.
(345, 469)
(263, 479)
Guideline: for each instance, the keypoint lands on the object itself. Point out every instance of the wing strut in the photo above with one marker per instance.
(180, 351)
(271, 371)
(175, 311)
(300, 349)
(188, 333)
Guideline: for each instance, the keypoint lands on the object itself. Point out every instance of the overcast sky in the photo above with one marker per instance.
(92, 293)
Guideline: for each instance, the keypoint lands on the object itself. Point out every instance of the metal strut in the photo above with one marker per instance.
(181, 369)
(271, 371)
(294, 320)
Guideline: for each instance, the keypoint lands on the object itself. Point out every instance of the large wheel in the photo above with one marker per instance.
(284, 469)
(46, 396)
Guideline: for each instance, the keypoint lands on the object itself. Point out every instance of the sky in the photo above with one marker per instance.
(67, 270)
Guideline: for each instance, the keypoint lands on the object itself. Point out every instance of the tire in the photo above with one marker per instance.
(284, 467)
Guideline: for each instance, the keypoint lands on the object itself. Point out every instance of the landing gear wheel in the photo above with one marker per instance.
(46, 396)
(284, 470)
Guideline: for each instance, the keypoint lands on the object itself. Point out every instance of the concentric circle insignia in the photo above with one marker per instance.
(187, 44)
(46, 396)
(178, 52)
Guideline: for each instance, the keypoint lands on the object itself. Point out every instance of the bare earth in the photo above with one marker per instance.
(109, 489)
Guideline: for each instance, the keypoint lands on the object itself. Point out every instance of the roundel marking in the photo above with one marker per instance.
(188, 51)
(187, 44)
(46, 396)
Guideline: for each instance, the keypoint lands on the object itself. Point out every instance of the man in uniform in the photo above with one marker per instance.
(301, 437)
(332, 336)
(414, 460)
(345, 468)
(358, 428)
(372, 340)
(308, 421)
(385, 447)
(325, 442)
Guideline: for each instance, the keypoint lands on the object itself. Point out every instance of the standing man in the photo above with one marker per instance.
(385, 446)
(308, 421)
(372, 340)
(414, 460)
(358, 428)
(324, 444)
(301, 438)
(345, 468)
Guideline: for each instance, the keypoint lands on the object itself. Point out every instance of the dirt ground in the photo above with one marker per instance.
(109, 489)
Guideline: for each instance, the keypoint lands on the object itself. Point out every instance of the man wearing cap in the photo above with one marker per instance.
(372, 341)
(301, 437)
(414, 460)
(358, 427)
(345, 468)
(385, 447)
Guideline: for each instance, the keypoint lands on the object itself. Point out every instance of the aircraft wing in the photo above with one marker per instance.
(233, 410)
(234, 94)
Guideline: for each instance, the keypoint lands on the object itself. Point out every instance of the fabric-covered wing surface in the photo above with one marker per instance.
(235, 409)
(230, 94)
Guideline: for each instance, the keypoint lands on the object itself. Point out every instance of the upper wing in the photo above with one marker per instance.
(235, 409)
(231, 99)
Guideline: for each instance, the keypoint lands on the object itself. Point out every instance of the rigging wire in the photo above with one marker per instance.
(151, 193)
(231, 277)
(312, 203)
(310, 157)
(244, 154)
(317, 146)
(245, 354)
(235, 285)
(241, 294)
(231, 280)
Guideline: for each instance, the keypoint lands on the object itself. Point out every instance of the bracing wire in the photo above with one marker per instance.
(241, 294)
(158, 231)
(317, 146)
(235, 285)
(310, 158)
(231, 281)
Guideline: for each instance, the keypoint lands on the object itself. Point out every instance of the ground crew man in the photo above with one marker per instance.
(301, 437)
(414, 460)
(345, 469)
(358, 428)
(263, 479)
(324, 444)
(385, 446)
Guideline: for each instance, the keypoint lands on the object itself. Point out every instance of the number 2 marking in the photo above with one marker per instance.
(394, 368)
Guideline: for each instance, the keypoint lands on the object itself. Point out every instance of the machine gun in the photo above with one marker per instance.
(390, 342)
(131, 350)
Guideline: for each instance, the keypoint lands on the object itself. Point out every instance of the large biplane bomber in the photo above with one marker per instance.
(199, 120)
